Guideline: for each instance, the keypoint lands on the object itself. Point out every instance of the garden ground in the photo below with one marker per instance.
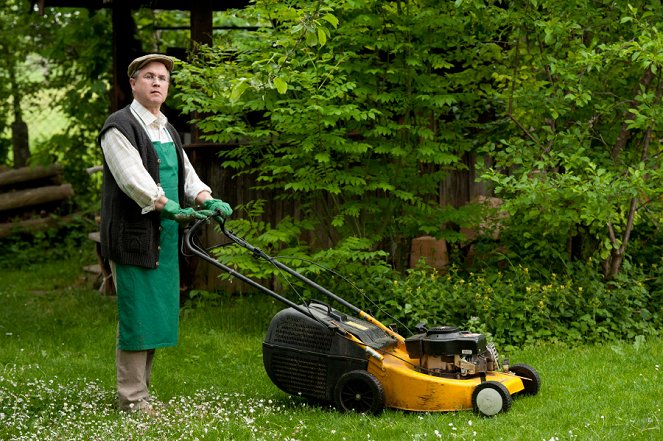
(57, 379)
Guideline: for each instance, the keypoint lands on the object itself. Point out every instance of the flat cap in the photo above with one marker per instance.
(139, 62)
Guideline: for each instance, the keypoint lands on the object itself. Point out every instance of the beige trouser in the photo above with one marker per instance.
(133, 378)
(133, 370)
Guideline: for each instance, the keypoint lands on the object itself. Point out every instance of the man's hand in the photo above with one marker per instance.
(173, 211)
(218, 205)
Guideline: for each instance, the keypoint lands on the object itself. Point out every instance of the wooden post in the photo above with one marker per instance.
(125, 48)
(201, 34)
(193, 273)
(201, 22)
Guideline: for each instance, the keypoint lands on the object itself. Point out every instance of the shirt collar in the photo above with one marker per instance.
(148, 117)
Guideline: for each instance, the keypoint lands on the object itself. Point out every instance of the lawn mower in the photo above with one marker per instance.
(356, 363)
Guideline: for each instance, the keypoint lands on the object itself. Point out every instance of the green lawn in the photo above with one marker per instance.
(57, 380)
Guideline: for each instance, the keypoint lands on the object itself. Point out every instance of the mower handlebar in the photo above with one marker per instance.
(258, 253)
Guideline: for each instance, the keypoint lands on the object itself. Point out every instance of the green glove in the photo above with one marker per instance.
(218, 205)
(173, 211)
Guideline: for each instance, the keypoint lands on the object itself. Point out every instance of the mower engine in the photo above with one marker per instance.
(447, 352)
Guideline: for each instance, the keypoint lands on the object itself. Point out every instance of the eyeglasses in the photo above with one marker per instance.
(152, 77)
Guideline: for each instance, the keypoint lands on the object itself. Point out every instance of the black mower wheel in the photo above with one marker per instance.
(359, 391)
(490, 398)
(531, 379)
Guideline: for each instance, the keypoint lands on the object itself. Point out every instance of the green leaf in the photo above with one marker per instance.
(281, 85)
(330, 19)
(238, 90)
(322, 36)
(311, 38)
(322, 157)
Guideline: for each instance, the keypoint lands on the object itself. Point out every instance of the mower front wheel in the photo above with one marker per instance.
(490, 398)
(359, 391)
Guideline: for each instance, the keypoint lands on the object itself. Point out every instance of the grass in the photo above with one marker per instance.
(57, 380)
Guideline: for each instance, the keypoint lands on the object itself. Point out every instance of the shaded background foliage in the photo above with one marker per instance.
(371, 108)
(360, 128)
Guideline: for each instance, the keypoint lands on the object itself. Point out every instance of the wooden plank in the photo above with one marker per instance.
(136, 4)
(35, 196)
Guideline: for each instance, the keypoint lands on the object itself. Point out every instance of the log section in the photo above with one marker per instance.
(35, 196)
(26, 174)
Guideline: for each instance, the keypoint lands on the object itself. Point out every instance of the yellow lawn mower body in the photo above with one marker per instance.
(358, 364)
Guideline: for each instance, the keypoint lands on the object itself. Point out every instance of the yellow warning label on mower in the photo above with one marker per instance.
(356, 325)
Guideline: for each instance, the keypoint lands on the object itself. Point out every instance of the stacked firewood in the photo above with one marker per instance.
(30, 197)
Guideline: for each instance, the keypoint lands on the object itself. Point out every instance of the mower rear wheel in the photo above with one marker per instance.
(490, 398)
(359, 391)
(531, 379)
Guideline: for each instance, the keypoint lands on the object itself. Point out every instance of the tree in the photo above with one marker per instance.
(79, 67)
(579, 168)
(358, 110)
(18, 36)
(64, 55)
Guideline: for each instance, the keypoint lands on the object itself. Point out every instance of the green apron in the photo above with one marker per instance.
(148, 300)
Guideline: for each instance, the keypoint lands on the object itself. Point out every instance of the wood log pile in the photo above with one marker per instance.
(29, 198)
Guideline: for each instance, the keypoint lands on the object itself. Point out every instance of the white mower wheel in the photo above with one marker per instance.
(490, 398)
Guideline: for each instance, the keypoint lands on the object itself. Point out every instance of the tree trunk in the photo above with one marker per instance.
(20, 144)
(613, 264)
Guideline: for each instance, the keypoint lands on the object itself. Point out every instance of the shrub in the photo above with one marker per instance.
(348, 270)
(64, 242)
(516, 307)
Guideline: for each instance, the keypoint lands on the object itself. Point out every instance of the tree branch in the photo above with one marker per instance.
(513, 87)
(624, 133)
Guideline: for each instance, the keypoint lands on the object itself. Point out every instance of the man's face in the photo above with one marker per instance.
(150, 86)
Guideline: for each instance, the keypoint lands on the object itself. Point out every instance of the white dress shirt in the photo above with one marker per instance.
(127, 167)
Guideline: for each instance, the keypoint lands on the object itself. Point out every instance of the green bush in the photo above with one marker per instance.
(517, 307)
(63, 242)
(347, 270)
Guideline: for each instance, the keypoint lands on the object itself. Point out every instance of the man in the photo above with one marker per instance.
(147, 175)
